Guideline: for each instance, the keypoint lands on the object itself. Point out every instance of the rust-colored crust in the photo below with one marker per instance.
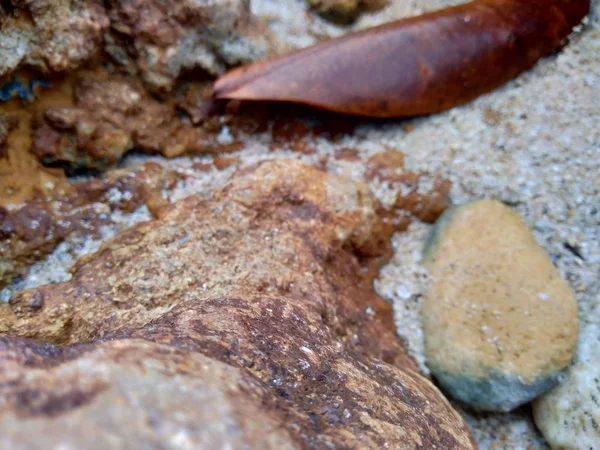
(269, 277)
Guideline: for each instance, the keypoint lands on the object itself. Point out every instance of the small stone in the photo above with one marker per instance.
(344, 12)
(569, 415)
(500, 323)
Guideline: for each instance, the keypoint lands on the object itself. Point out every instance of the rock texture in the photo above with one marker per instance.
(50, 35)
(569, 415)
(162, 39)
(240, 320)
(157, 39)
(31, 231)
(500, 323)
(7, 124)
(111, 116)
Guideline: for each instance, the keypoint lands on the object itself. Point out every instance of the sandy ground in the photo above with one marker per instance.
(533, 144)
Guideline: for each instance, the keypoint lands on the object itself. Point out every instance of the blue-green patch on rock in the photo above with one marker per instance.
(500, 324)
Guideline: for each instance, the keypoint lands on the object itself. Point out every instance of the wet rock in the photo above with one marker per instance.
(112, 116)
(500, 323)
(345, 11)
(569, 414)
(253, 304)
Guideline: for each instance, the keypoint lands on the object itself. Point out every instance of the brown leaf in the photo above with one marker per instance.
(414, 66)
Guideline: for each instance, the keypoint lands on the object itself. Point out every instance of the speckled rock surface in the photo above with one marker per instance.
(34, 230)
(569, 415)
(264, 277)
(499, 322)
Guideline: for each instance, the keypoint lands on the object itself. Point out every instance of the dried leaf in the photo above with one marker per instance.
(414, 66)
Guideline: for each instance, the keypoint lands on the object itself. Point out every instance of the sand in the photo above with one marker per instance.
(533, 144)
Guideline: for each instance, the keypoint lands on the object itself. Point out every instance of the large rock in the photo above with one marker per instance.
(500, 324)
(242, 320)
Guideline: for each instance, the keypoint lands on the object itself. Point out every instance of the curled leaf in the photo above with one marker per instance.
(420, 65)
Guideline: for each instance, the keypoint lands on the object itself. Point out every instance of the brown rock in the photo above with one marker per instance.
(159, 40)
(250, 305)
(347, 154)
(31, 232)
(422, 195)
(222, 163)
(7, 124)
(112, 116)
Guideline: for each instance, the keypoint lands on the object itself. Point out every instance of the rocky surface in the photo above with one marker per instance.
(111, 116)
(265, 278)
(532, 144)
(163, 39)
(159, 40)
(499, 322)
(30, 232)
(50, 35)
(7, 124)
(569, 415)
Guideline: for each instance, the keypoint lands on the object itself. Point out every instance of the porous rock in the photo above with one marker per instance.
(163, 39)
(112, 116)
(50, 35)
(500, 324)
(157, 39)
(249, 306)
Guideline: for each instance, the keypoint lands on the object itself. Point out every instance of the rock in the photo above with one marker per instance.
(569, 414)
(124, 394)
(244, 320)
(164, 39)
(159, 40)
(114, 115)
(421, 195)
(7, 124)
(50, 35)
(30, 232)
(345, 11)
(500, 324)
